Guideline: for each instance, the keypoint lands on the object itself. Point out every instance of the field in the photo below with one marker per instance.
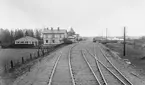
(6, 55)
(135, 53)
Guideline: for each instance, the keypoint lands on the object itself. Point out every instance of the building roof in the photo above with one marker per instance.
(71, 37)
(27, 38)
(54, 31)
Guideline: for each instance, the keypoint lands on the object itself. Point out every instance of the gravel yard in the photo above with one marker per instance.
(40, 73)
(82, 73)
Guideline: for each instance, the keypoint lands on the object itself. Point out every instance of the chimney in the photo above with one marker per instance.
(58, 29)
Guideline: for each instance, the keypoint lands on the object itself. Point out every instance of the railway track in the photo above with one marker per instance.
(91, 69)
(83, 73)
(122, 76)
(54, 72)
(108, 66)
(70, 69)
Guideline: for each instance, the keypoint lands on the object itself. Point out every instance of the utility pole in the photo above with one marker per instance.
(124, 50)
(106, 34)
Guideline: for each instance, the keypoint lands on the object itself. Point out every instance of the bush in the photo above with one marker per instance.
(21, 46)
(67, 41)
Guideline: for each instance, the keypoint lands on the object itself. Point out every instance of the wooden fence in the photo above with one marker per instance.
(13, 64)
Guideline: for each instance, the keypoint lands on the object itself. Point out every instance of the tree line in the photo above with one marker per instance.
(8, 37)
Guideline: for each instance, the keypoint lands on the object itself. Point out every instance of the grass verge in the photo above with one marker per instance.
(135, 54)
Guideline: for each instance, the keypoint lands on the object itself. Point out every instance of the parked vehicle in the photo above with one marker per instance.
(94, 40)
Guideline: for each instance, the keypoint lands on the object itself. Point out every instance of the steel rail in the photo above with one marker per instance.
(99, 68)
(70, 66)
(107, 69)
(54, 69)
(112, 73)
(98, 65)
(90, 67)
(127, 80)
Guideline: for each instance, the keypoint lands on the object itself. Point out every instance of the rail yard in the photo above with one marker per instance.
(83, 63)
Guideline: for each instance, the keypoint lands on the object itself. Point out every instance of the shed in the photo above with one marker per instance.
(27, 40)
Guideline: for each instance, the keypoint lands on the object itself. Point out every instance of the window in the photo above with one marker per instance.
(53, 41)
(26, 42)
(46, 41)
(22, 41)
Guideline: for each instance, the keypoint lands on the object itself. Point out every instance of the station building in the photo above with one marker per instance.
(53, 36)
(27, 40)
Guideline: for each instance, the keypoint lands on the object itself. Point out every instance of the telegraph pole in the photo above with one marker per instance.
(106, 34)
(124, 50)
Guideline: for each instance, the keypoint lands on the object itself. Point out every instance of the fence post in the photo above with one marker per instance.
(22, 60)
(5, 68)
(12, 64)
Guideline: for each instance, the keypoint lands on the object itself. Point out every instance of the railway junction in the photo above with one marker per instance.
(83, 63)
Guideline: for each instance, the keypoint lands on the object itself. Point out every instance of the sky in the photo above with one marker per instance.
(86, 17)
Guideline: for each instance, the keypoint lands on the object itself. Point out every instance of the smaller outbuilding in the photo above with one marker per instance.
(27, 40)
(72, 38)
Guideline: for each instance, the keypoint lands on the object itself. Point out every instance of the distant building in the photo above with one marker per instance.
(72, 38)
(77, 36)
(27, 40)
(99, 38)
(54, 36)
(114, 38)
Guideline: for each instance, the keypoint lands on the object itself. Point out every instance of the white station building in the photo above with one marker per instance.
(27, 40)
(54, 36)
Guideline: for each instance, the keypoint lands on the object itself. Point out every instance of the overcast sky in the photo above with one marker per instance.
(87, 17)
